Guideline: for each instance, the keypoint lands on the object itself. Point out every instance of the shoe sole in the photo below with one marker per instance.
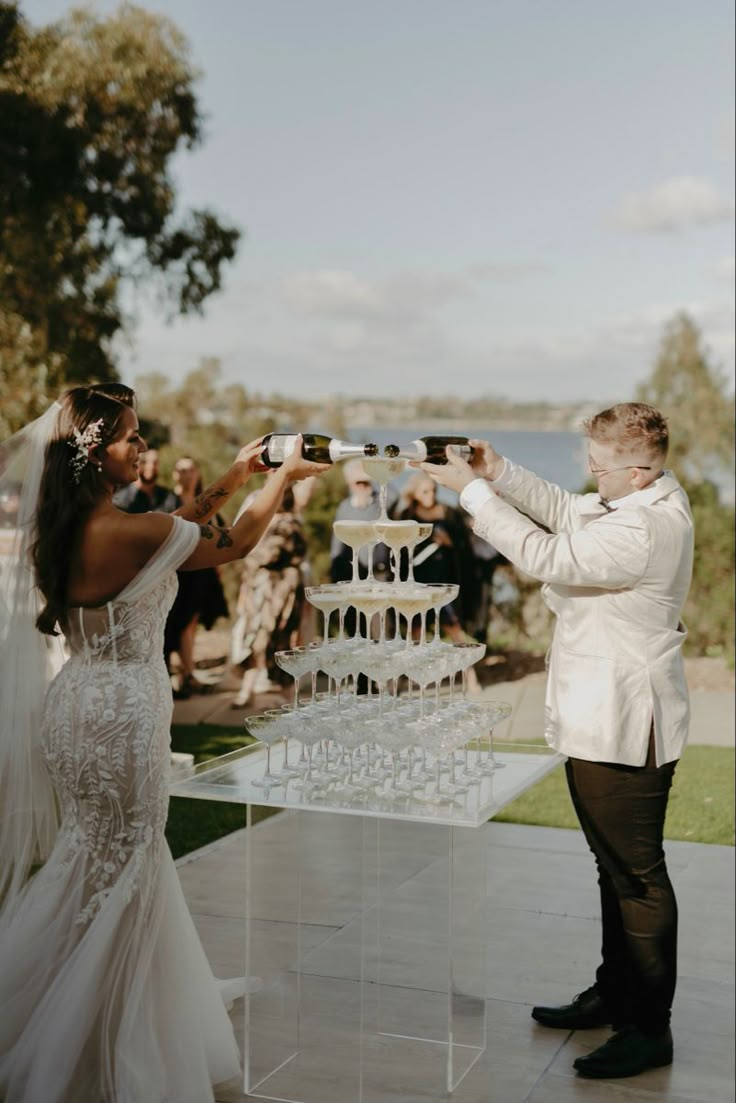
(585, 1025)
(620, 1074)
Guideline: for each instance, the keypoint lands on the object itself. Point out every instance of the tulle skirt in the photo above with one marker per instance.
(121, 1009)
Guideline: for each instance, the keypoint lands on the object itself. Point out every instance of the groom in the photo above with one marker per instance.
(616, 568)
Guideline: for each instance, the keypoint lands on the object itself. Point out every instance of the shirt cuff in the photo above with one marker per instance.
(475, 495)
(502, 481)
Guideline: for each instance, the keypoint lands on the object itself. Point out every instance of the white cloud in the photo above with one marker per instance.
(401, 298)
(673, 205)
(330, 292)
(332, 331)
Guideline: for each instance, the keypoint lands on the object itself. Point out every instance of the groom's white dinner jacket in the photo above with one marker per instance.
(616, 578)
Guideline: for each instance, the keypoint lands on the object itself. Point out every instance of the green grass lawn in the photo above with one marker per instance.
(701, 806)
(194, 823)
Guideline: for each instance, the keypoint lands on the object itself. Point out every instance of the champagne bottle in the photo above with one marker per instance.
(316, 447)
(430, 449)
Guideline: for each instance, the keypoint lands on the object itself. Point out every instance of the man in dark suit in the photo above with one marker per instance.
(145, 495)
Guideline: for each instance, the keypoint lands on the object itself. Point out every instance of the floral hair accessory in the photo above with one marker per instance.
(82, 445)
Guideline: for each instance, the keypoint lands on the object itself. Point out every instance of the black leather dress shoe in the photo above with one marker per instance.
(626, 1054)
(586, 1011)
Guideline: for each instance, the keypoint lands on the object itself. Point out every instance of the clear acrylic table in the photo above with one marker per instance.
(367, 922)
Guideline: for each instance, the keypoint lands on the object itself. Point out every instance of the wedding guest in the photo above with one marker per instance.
(476, 592)
(146, 493)
(443, 557)
(200, 598)
(270, 602)
(616, 569)
(105, 989)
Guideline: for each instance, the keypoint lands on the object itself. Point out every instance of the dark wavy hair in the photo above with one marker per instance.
(63, 503)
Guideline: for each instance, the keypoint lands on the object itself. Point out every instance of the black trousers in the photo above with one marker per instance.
(621, 810)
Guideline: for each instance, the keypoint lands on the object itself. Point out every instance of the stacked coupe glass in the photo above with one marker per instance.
(414, 734)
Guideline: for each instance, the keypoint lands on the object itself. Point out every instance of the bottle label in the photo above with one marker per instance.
(418, 451)
(462, 450)
(280, 447)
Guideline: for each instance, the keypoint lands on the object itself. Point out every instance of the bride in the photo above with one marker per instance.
(105, 992)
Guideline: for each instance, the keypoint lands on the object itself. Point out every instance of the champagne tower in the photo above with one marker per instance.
(398, 742)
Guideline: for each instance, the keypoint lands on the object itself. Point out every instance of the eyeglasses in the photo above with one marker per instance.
(610, 470)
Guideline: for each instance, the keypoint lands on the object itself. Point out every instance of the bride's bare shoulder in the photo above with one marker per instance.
(139, 534)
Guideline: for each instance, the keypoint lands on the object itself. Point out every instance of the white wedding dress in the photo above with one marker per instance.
(105, 992)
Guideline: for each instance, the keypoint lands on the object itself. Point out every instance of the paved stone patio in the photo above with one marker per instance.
(543, 942)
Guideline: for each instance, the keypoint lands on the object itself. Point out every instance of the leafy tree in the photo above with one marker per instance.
(692, 394)
(91, 112)
(709, 610)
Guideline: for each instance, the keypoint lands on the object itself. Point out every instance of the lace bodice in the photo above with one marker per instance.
(129, 629)
(122, 631)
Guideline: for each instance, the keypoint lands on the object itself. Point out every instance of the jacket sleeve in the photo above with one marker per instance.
(610, 553)
(555, 508)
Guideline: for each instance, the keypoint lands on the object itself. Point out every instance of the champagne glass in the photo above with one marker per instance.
(381, 665)
(397, 535)
(308, 734)
(423, 667)
(485, 715)
(350, 734)
(392, 739)
(268, 729)
(491, 713)
(468, 654)
(370, 602)
(338, 663)
(327, 601)
(442, 737)
(408, 602)
(424, 533)
(356, 534)
(381, 469)
(442, 594)
(296, 662)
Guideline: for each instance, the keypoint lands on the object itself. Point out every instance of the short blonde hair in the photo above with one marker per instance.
(629, 427)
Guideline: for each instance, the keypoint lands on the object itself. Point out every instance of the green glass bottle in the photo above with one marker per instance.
(317, 447)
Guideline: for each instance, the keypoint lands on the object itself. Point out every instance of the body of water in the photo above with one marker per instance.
(560, 457)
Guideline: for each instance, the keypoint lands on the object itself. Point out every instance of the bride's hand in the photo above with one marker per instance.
(249, 459)
(295, 467)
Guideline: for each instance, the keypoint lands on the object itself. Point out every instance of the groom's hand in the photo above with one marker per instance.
(486, 462)
(455, 474)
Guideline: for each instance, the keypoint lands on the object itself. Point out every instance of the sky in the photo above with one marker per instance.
(476, 197)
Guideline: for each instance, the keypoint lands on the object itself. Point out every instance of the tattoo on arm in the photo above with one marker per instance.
(207, 501)
(224, 539)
